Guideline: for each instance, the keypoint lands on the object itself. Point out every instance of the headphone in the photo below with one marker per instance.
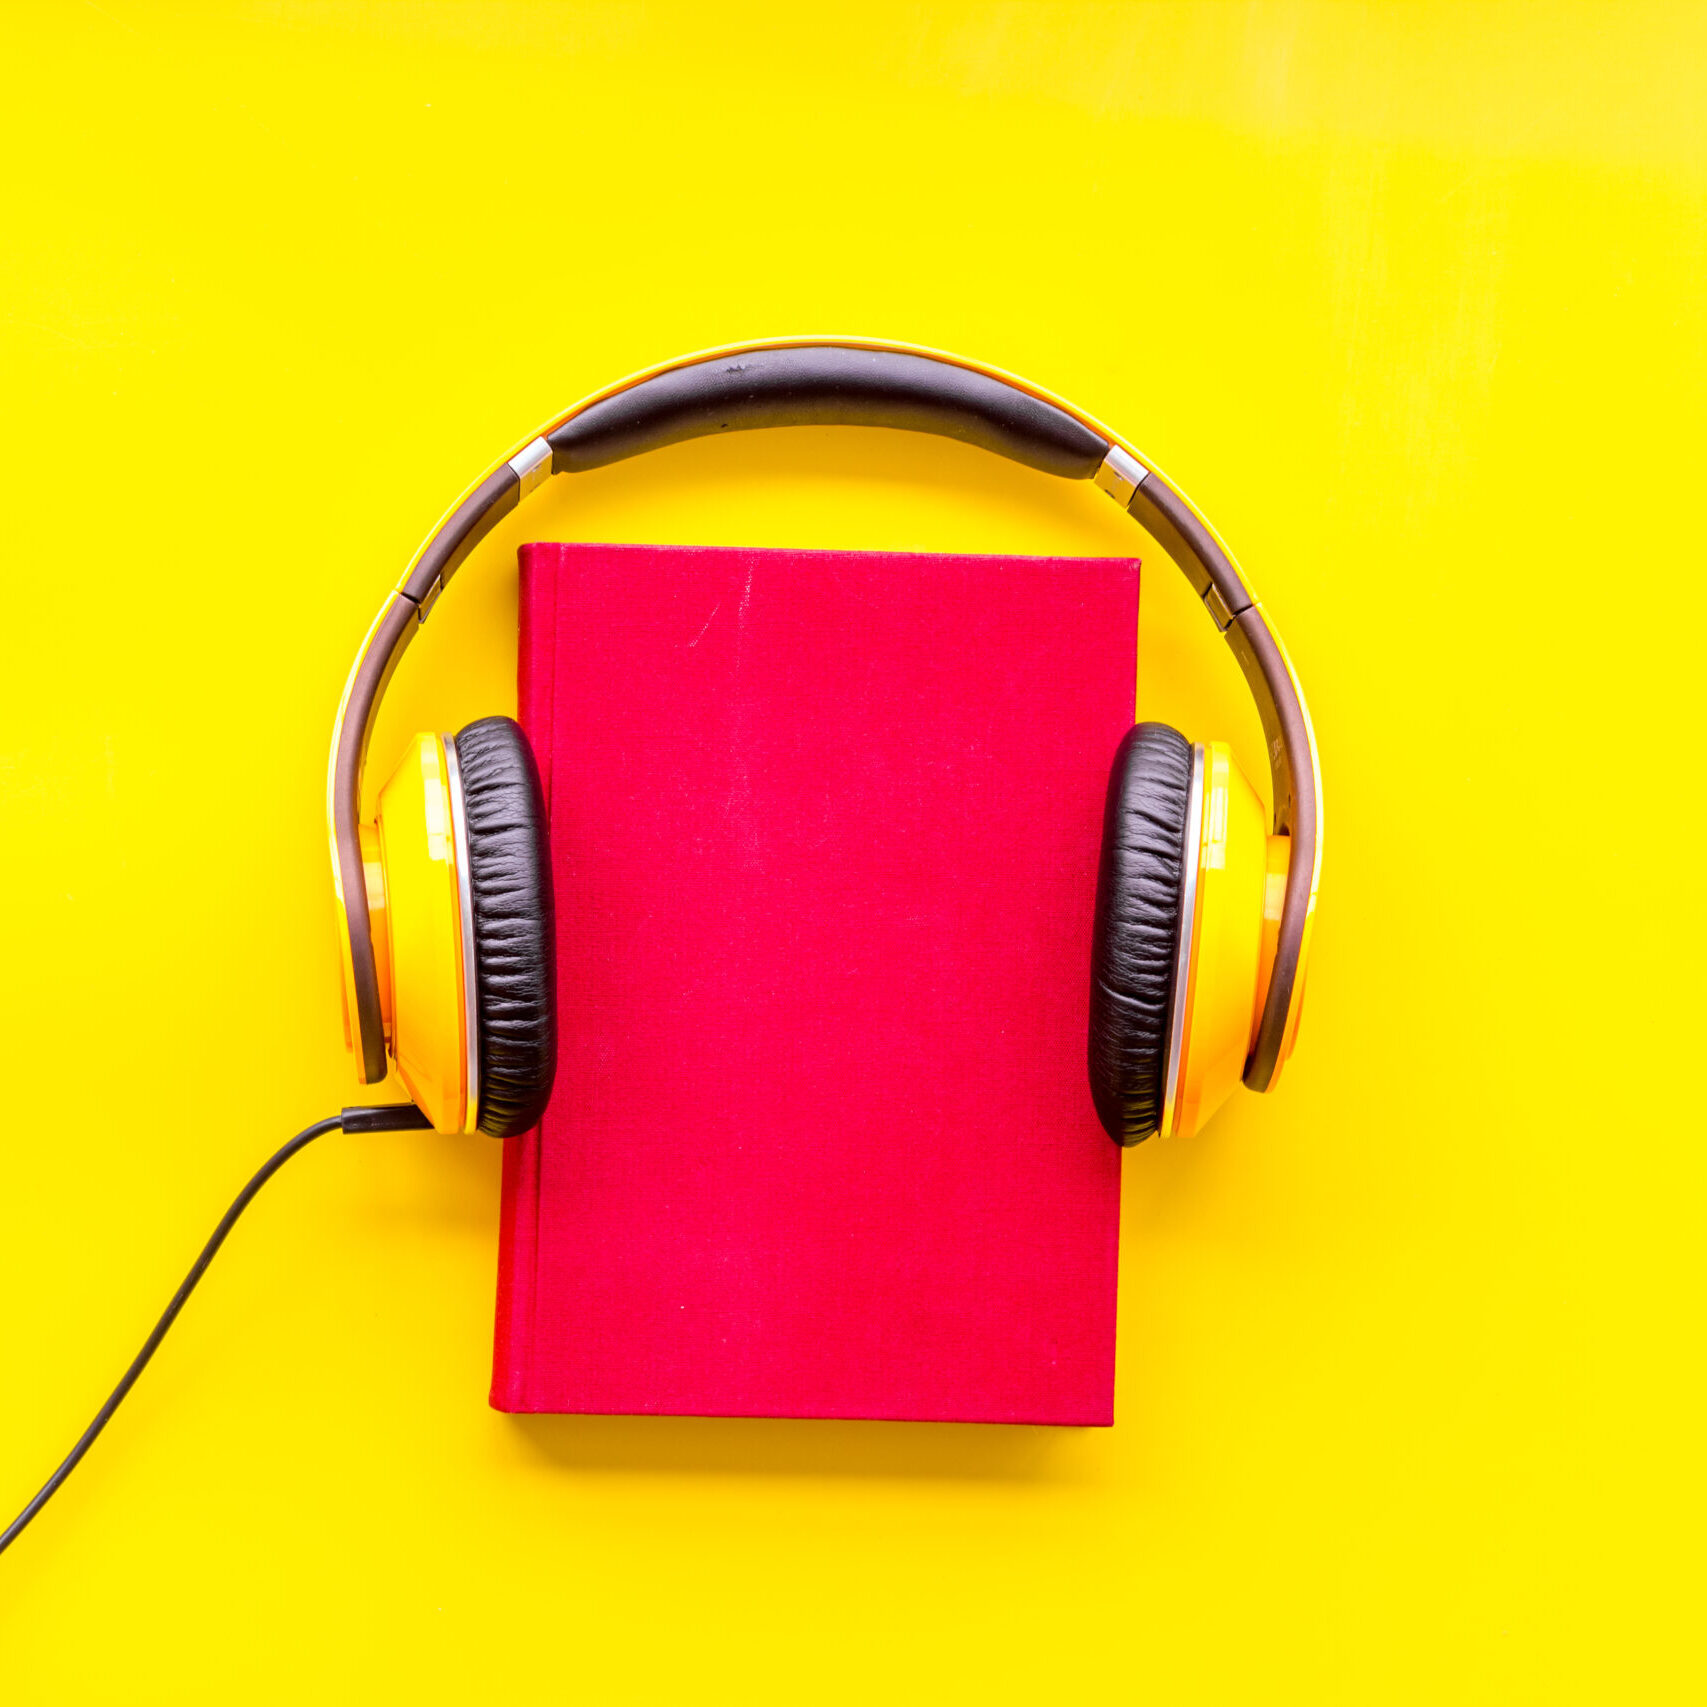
(1204, 909)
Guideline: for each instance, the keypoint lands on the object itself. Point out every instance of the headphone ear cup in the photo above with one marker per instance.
(509, 868)
(1140, 884)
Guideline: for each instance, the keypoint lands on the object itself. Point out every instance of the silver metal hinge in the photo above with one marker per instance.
(532, 465)
(1120, 475)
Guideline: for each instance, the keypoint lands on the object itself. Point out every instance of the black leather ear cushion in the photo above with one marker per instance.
(509, 869)
(1139, 884)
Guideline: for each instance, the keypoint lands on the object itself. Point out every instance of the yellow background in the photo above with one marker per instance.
(1410, 299)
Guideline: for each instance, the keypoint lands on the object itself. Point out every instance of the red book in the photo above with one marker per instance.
(824, 831)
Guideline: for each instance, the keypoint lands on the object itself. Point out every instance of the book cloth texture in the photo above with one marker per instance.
(824, 835)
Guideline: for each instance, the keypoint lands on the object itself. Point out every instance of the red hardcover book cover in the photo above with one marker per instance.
(824, 833)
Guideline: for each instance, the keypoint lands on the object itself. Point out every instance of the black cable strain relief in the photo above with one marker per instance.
(386, 1117)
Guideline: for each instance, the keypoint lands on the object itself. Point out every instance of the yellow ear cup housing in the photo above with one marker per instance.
(419, 933)
(1225, 951)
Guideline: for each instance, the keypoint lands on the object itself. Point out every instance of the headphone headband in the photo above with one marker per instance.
(845, 382)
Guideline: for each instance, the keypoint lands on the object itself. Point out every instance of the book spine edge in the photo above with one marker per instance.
(518, 1222)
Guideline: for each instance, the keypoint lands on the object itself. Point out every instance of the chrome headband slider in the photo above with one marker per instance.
(532, 465)
(1120, 475)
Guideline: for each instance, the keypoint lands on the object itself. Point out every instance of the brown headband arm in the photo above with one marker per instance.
(1187, 539)
(387, 640)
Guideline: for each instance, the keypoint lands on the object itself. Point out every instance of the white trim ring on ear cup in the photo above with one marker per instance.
(1182, 950)
(465, 912)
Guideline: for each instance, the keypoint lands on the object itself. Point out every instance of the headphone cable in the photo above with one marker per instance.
(394, 1117)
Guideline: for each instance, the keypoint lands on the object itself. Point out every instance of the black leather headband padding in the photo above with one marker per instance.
(827, 385)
